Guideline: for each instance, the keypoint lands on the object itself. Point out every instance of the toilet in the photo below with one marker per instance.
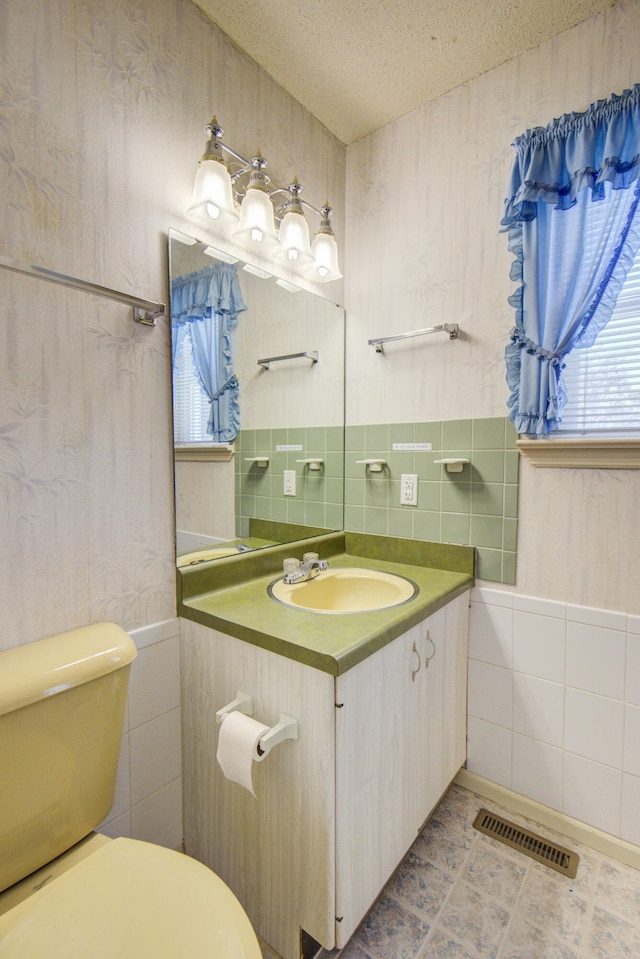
(67, 892)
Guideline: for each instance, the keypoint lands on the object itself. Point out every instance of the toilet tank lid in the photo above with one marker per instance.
(52, 665)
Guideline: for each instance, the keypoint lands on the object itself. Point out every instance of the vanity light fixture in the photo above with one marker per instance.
(294, 229)
(257, 222)
(238, 198)
(324, 249)
(212, 191)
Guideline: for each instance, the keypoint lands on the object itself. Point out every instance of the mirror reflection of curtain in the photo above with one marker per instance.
(205, 307)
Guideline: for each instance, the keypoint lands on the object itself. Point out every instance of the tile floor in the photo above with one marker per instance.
(461, 895)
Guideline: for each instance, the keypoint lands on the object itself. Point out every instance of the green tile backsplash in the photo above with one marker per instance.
(259, 490)
(477, 507)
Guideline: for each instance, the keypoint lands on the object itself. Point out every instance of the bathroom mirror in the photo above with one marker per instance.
(282, 478)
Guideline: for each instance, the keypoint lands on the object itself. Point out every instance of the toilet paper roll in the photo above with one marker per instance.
(238, 747)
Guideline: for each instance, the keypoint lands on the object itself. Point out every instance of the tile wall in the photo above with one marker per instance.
(554, 705)
(148, 801)
(477, 507)
(260, 490)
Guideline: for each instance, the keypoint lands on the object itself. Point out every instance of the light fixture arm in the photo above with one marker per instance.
(315, 209)
(256, 163)
(289, 190)
(219, 194)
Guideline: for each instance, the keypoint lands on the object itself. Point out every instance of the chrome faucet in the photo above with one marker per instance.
(296, 571)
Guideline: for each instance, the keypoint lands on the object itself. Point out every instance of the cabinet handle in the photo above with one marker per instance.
(427, 659)
(414, 672)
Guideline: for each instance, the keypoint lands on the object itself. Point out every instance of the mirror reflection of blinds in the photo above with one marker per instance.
(603, 382)
(190, 403)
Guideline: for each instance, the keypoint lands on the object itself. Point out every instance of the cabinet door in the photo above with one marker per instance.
(443, 689)
(400, 739)
(379, 741)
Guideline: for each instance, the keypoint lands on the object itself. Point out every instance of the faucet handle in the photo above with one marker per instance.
(291, 565)
(310, 558)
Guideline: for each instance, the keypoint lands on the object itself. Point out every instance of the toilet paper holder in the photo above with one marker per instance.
(285, 728)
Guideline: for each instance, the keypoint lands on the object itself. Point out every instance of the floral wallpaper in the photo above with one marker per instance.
(102, 109)
(101, 117)
(424, 202)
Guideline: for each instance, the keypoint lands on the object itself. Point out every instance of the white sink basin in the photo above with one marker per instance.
(203, 555)
(349, 590)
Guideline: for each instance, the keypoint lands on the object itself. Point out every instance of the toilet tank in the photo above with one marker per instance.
(62, 702)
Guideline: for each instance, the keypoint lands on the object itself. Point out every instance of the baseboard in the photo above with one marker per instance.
(603, 842)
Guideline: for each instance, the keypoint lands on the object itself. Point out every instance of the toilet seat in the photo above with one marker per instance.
(130, 900)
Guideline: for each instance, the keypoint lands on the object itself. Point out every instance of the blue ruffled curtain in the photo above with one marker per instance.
(205, 306)
(572, 219)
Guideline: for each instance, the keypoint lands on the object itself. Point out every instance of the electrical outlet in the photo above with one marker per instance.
(289, 482)
(409, 489)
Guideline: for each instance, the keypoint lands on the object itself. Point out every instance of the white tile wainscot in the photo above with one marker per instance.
(553, 706)
(148, 801)
(338, 809)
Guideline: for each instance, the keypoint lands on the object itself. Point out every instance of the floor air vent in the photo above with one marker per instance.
(556, 857)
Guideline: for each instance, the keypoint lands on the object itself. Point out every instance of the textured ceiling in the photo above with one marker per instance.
(356, 64)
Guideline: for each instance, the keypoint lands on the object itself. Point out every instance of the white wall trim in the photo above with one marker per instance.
(203, 454)
(602, 842)
(155, 632)
(604, 453)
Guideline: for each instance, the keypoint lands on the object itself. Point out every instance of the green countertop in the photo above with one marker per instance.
(233, 599)
(249, 542)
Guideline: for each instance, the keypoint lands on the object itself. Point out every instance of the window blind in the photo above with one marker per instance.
(190, 403)
(603, 382)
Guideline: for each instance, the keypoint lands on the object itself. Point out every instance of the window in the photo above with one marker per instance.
(205, 305)
(572, 213)
(190, 402)
(603, 382)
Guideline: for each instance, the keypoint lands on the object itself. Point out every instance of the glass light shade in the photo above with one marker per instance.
(256, 217)
(294, 237)
(324, 251)
(212, 194)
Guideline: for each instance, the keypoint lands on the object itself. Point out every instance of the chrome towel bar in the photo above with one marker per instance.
(310, 355)
(144, 311)
(450, 328)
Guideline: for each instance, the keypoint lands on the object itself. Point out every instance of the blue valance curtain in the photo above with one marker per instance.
(572, 218)
(205, 306)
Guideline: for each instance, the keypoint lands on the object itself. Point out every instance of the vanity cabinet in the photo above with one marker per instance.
(400, 740)
(338, 809)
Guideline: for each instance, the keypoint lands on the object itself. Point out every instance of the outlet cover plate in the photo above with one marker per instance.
(409, 489)
(289, 482)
